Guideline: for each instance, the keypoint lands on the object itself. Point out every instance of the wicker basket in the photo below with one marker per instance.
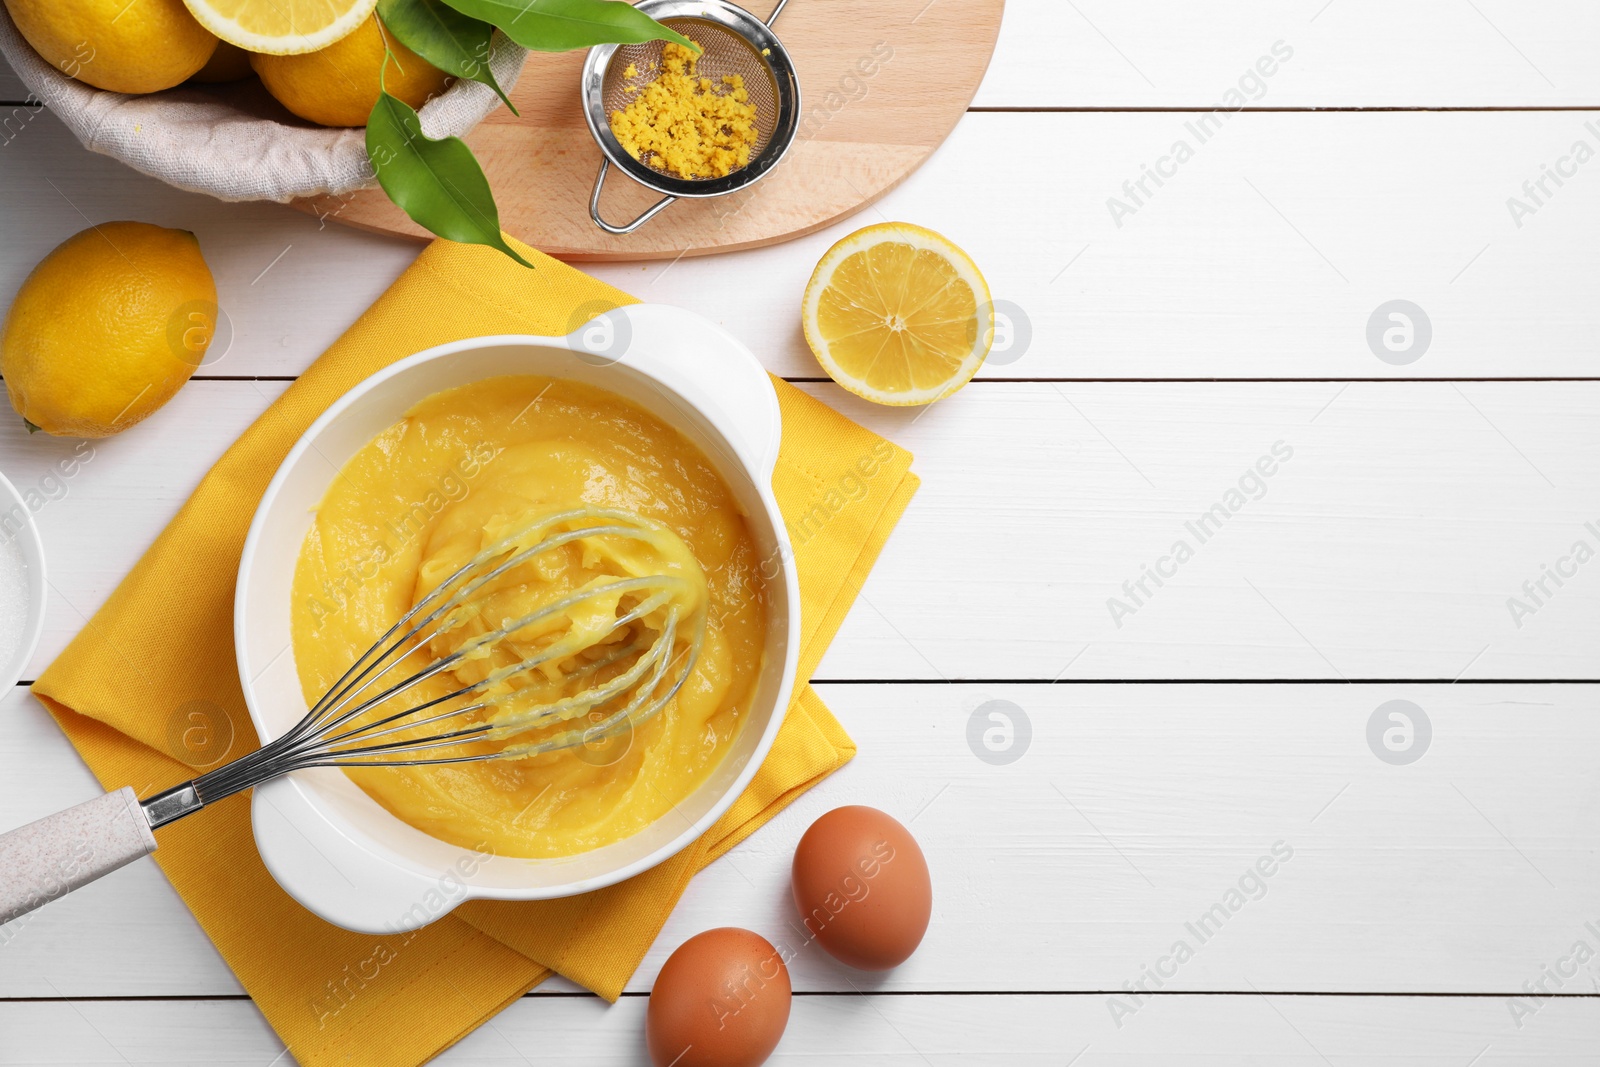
(233, 141)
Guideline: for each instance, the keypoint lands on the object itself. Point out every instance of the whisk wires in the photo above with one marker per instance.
(362, 721)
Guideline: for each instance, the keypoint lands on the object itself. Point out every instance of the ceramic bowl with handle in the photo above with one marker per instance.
(17, 527)
(330, 845)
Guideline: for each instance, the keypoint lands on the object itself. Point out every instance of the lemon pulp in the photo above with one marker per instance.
(281, 27)
(898, 314)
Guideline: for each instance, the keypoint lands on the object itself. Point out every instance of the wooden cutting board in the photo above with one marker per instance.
(883, 82)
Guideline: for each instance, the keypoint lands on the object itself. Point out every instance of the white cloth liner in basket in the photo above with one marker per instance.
(233, 141)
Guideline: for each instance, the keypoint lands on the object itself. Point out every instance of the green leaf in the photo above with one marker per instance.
(562, 25)
(455, 43)
(438, 183)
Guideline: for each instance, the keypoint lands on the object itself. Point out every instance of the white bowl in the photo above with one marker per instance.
(335, 849)
(16, 520)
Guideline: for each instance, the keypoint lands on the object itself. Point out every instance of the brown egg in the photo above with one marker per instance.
(721, 1000)
(861, 884)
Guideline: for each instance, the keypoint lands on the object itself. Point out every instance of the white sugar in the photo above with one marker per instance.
(13, 597)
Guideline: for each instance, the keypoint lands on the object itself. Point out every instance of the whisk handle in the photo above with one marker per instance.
(68, 850)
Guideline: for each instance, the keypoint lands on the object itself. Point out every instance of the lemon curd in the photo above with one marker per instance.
(450, 478)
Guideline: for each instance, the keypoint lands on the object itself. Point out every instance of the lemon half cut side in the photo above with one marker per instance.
(281, 27)
(899, 315)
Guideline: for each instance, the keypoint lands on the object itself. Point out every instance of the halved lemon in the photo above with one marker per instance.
(898, 314)
(281, 27)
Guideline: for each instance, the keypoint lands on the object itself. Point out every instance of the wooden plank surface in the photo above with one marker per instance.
(870, 1029)
(1129, 812)
(1267, 256)
(1349, 53)
(1388, 547)
(1393, 543)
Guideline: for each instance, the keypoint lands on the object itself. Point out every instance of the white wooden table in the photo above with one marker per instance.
(1227, 714)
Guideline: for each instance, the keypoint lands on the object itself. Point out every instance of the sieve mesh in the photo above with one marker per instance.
(723, 52)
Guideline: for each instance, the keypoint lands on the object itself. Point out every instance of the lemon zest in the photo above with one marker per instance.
(685, 124)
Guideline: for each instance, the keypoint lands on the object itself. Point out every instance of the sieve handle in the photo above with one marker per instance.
(594, 206)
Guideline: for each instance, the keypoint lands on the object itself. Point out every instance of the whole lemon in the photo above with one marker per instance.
(107, 328)
(338, 85)
(138, 47)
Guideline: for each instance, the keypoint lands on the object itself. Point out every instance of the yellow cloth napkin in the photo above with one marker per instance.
(123, 691)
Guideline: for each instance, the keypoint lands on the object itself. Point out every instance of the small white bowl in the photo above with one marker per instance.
(335, 849)
(16, 520)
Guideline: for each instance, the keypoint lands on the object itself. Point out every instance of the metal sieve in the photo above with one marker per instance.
(733, 41)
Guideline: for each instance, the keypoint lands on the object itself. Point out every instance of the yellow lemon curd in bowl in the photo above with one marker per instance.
(462, 469)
